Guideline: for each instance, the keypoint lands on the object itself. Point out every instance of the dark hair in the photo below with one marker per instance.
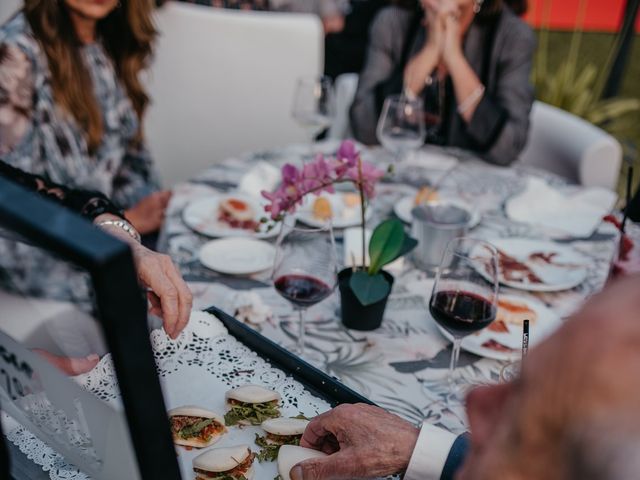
(490, 8)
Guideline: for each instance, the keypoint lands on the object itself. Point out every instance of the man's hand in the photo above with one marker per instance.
(169, 295)
(362, 442)
(148, 214)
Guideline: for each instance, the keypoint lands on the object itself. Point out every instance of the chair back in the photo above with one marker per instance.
(571, 147)
(8, 8)
(222, 83)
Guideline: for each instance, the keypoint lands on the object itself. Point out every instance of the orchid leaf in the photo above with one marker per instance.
(385, 245)
(369, 289)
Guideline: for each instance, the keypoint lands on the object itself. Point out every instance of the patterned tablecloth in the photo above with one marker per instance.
(402, 365)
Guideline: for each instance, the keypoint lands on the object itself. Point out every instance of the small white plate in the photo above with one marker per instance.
(403, 210)
(237, 256)
(543, 322)
(202, 216)
(344, 216)
(565, 268)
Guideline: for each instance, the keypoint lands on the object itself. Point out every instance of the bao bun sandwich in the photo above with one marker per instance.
(291, 455)
(251, 405)
(195, 427)
(232, 463)
(280, 431)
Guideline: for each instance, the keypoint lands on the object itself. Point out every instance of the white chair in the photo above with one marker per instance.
(222, 83)
(571, 147)
(8, 8)
(345, 87)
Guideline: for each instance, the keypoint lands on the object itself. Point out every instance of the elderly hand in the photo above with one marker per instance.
(169, 295)
(148, 214)
(362, 442)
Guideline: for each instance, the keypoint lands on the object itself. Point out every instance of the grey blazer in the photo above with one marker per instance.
(499, 127)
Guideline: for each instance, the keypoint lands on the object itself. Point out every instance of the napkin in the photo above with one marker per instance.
(577, 215)
(431, 160)
(353, 250)
(262, 176)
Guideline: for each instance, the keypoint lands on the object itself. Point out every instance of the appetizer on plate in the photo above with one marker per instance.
(280, 431)
(290, 455)
(251, 405)
(322, 209)
(196, 427)
(237, 214)
(425, 195)
(231, 463)
(512, 312)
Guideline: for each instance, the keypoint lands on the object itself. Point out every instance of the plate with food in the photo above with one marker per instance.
(231, 215)
(342, 208)
(237, 256)
(502, 339)
(535, 265)
(403, 208)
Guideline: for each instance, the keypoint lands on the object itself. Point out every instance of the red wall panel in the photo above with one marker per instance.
(600, 15)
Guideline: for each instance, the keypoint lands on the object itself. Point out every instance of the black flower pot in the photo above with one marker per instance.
(355, 315)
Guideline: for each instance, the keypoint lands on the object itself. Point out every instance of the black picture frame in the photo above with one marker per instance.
(121, 309)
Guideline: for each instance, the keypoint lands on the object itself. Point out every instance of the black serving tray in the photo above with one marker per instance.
(316, 381)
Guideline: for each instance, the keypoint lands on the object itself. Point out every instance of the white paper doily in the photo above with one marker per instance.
(204, 355)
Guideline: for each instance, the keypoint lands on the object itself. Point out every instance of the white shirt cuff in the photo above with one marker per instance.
(430, 453)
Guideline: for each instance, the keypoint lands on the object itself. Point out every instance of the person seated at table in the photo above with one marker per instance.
(471, 57)
(572, 414)
(168, 294)
(72, 103)
(331, 12)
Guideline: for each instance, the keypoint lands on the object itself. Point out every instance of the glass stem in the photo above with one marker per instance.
(455, 354)
(301, 332)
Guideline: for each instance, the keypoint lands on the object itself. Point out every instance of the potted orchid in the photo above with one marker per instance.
(364, 289)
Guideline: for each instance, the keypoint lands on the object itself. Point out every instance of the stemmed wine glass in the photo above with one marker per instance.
(314, 105)
(401, 126)
(306, 268)
(433, 101)
(465, 295)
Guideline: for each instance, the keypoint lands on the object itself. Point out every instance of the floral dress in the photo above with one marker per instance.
(38, 137)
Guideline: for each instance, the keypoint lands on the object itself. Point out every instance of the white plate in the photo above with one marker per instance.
(343, 216)
(403, 210)
(237, 256)
(567, 269)
(202, 216)
(545, 323)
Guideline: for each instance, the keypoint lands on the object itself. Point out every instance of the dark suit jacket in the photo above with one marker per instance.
(456, 457)
(501, 55)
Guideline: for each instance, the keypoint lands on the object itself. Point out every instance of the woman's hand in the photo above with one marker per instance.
(169, 295)
(453, 37)
(148, 214)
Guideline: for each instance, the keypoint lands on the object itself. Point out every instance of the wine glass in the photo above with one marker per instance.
(433, 101)
(465, 295)
(314, 105)
(401, 126)
(305, 270)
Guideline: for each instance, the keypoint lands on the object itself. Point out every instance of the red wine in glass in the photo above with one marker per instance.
(302, 290)
(461, 313)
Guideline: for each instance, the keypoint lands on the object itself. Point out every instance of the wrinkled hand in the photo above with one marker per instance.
(148, 214)
(169, 295)
(362, 442)
(70, 365)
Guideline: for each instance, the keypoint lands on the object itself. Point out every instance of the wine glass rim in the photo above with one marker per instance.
(401, 97)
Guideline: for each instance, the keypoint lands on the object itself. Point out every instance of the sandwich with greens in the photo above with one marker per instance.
(251, 405)
(231, 463)
(290, 455)
(279, 431)
(195, 427)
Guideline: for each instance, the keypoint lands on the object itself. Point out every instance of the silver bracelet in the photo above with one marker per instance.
(471, 100)
(124, 225)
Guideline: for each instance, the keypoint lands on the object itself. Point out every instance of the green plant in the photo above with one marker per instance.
(388, 243)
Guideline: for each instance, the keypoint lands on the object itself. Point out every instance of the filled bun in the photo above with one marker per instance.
(218, 460)
(193, 411)
(285, 426)
(197, 412)
(252, 394)
(290, 455)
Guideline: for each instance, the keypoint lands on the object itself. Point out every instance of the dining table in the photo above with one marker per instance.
(401, 366)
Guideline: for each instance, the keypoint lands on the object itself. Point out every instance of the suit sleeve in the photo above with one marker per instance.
(437, 455)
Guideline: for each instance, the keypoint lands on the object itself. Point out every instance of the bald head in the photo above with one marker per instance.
(538, 426)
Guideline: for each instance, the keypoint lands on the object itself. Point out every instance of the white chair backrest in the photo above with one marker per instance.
(8, 8)
(222, 83)
(345, 88)
(569, 146)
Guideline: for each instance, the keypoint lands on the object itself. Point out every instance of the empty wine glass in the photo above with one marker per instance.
(401, 126)
(306, 268)
(465, 295)
(314, 105)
